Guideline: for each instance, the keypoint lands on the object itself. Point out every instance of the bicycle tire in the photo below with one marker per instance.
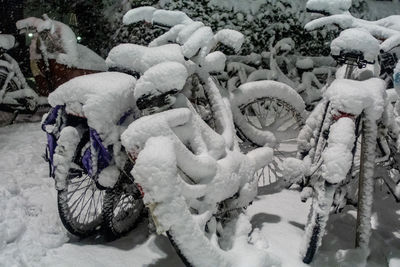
(177, 250)
(324, 192)
(79, 191)
(256, 100)
(317, 220)
(121, 212)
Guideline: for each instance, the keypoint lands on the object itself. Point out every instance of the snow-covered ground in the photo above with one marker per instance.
(31, 233)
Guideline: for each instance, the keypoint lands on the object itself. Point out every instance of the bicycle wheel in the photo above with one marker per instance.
(122, 209)
(259, 113)
(324, 185)
(319, 214)
(79, 200)
(6, 117)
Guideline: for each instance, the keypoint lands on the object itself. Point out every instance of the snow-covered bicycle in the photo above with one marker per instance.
(15, 94)
(195, 180)
(337, 146)
(264, 111)
(83, 127)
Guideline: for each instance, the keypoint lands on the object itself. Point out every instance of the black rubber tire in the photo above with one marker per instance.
(68, 218)
(72, 205)
(117, 223)
(272, 172)
(178, 251)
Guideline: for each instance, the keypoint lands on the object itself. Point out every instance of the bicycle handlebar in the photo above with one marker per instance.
(390, 35)
(353, 58)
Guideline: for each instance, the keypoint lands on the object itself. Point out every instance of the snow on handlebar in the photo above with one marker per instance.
(387, 29)
(192, 35)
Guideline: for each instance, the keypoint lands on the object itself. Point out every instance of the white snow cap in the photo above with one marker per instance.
(103, 98)
(170, 17)
(329, 6)
(161, 78)
(46, 25)
(215, 62)
(230, 38)
(139, 14)
(30, 22)
(140, 58)
(354, 97)
(7, 41)
(153, 15)
(356, 40)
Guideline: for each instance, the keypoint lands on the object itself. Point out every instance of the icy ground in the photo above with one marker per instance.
(31, 233)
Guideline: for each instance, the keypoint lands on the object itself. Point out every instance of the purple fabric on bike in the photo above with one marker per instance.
(104, 157)
(124, 117)
(51, 117)
(51, 144)
(87, 161)
(51, 139)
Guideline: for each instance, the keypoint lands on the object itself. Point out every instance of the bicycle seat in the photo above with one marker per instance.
(139, 58)
(158, 85)
(103, 98)
(7, 41)
(355, 46)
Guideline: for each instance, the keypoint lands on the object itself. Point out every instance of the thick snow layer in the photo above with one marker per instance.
(338, 157)
(356, 40)
(215, 62)
(354, 96)
(161, 78)
(170, 17)
(144, 13)
(7, 41)
(139, 58)
(103, 98)
(61, 44)
(157, 16)
(199, 40)
(331, 7)
(230, 38)
(380, 30)
(29, 211)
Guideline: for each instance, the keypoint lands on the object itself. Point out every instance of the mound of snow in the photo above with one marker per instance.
(139, 58)
(356, 40)
(7, 41)
(103, 98)
(329, 6)
(161, 78)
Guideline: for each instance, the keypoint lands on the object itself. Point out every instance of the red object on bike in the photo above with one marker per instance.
(140, 189)
(343, 115)
(48, 80)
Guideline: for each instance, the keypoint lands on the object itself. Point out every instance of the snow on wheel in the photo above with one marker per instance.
(268, 112)
(6, 117)
(79, 200)
(122, 209)
(80, 205)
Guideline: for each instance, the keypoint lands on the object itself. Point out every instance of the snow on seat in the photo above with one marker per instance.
(7, 41)
(357, 39)
(354, 97)
(161, 78)
(140, 58)
(103, 98)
